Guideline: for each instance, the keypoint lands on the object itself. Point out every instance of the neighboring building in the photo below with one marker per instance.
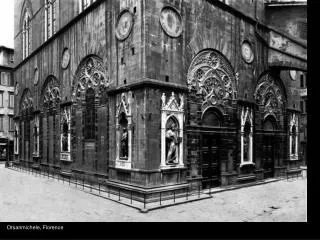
(155, 95)
(291, 17)
(6, 103)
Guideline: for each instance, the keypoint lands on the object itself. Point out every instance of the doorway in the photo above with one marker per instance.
(268, 156)
(210, 164)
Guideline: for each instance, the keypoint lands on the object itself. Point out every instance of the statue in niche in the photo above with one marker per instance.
(172, 140)
(124, 143)
(65, 142)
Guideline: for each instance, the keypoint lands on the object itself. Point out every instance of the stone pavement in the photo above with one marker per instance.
(30, 198)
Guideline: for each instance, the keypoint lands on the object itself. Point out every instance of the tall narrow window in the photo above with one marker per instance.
(1, 99)
(90, 115)
(4, 78)
(11, 124)
(11, 100)
(1, 123)
(83, 4)
(50, 18)
(26, 36)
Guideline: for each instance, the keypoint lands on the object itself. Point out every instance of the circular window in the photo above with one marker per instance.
(124, 25)
(171, 21)
(36, 76)
(247, 52)
(65, 58)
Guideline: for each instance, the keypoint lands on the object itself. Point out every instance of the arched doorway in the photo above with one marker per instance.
(50, 132)
(210, 157)
(268, 146)
(26, 110)
(270, 96)
(90, 114)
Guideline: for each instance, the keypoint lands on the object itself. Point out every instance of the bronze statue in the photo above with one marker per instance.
(124, 143)
(172, 142)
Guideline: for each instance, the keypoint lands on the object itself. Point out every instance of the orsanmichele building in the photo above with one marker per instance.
(151, 95)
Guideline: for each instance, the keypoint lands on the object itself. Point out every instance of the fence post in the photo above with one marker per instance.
(160, 197)
(119, 194)
(199, 191)
(144, 200)
(187, 193)
(210, 188)
(174, 196)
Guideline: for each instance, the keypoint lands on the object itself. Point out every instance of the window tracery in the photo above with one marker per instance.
(51, 93)
(269, 95)
(211, 76)
(91, 74)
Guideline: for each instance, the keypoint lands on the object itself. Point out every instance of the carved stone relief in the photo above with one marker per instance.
(51, 93)
(124, 25)
(171, 21)
(269, 95)
(91, 74)
(211, 76)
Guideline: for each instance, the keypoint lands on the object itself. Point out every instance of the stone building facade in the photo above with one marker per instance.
(6, 103)
(152, 95)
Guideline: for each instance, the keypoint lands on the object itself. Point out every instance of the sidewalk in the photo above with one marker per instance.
(25, 197)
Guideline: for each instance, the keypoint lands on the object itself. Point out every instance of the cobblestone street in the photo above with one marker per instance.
(28, 198)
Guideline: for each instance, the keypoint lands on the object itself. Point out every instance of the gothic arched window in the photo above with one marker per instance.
(26, 35)
(90, 115)
(50, 18)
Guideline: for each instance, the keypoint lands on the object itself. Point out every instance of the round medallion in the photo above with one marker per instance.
(171, 21)
(124, 25)
(36, 76)
(17, 88)
(293, 74)
(65, 58)
(247, 52)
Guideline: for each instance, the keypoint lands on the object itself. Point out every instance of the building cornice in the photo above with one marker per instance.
(60, 32)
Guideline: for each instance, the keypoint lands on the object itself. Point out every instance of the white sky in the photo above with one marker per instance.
(6, 23)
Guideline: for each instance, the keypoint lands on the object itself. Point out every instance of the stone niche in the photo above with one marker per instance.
(172, 125)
